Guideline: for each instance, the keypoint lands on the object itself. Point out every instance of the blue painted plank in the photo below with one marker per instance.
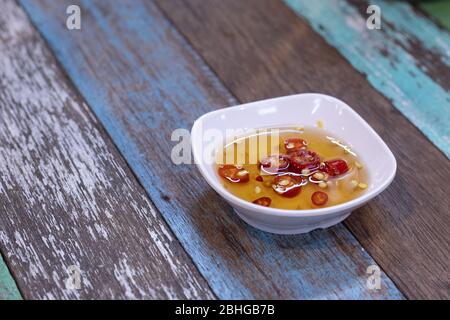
(143, 81)
(408, 60)
(8, 288)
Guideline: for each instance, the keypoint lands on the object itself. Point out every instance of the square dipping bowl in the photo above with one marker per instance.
(296, 110)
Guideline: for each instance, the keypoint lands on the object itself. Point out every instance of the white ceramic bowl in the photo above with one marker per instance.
(304, 110)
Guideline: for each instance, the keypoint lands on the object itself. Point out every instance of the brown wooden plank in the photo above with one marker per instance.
(261, 49)
(143, 81)
(67, 197)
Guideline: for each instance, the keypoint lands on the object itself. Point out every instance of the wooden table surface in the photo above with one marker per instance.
(86, 179)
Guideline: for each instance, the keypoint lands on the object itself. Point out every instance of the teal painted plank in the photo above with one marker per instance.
(143, 81)
(8, 288)
(408, 60)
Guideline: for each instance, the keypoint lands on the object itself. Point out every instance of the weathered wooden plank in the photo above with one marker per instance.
(143, 81)
(408, 60)
(8, 288)
(66, 195)
(406, 228)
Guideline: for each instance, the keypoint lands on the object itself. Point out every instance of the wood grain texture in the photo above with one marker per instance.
(8, 287)
(66, 196)
(408, 60)
(143, 81)
(406, 228)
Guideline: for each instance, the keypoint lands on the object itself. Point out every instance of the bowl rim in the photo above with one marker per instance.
(346, 206)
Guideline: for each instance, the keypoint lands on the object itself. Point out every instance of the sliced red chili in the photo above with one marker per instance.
(319, 198)
(304, 159)
(274, 164)
(287, 185)
(263, 201)
(335, 167)
(234, 173)
(294, 144)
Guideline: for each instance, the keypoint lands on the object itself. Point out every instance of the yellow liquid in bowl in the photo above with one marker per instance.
(247, 151)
